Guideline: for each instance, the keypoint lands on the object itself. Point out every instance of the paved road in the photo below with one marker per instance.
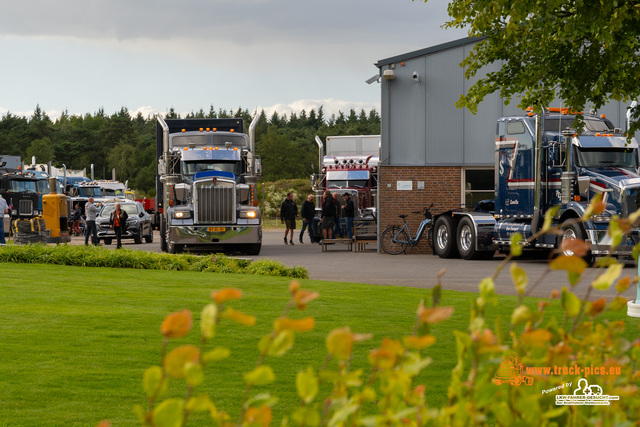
(413, 270)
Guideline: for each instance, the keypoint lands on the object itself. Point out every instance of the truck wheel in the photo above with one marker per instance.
(571, 229)
(444, 233)
(467, 241)
(252, 249)
(163, 235)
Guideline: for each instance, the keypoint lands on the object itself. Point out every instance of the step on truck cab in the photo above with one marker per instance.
(541, 162)
(206, 188)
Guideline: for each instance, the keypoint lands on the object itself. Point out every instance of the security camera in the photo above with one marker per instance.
(415, 76)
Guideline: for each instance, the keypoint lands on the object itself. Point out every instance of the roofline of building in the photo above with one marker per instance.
(428, 51)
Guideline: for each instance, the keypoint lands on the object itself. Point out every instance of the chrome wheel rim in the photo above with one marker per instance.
(442, 237)
(465, 238)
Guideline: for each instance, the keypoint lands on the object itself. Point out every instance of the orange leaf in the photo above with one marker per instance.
(302, 298)
(294, 286)
(536, 338)
(571, 264)
(554, 294)
(577, 246)
(177, 324)
(623, 284)
(393, 346)
(302, 325)
(258, 416)
(435, 314)
(226, 294)
(382, 358)
(340, 343)
(596, 307)
(238, 317)
(177, 358)
(413, 342)
(104, 423)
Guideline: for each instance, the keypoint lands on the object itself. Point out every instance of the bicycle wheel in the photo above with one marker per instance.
(394, 240)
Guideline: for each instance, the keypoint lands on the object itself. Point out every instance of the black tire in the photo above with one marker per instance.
(173, 248)
(389, 245)
(467, 239)
(444, 237)
(138, 238)
(572, 229)
(107, 241)
(163, 235)
(252, 249)
(149, 238)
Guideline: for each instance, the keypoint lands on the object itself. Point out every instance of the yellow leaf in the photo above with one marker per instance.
(572, 264)
(381, 358)
(200, 403)
(413, 342)
(226, 294)
(154, 382)
(548, 217)
(340, 343)
(302, 325)
(175, 361)
(293, 287)
(516, 247)
(536, 338)
(238, 317)
(605, 280)
(570, 302)
(215, 355)
(208, 320)
(169, 413)
(520, 279)
(278, 345)
(521, 314)
(618, 303)
(262, 375)
(177, 324)
(193, 373)
(307, 385)
(302, 298)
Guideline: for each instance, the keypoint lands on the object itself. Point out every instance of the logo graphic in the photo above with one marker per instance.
(585, 394)
(511, 371)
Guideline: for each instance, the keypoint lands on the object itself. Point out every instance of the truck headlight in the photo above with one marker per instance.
(14, 212)
(248, 214)
(182, 214)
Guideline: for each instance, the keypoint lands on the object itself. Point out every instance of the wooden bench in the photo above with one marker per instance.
(325, 243)
(364, 232)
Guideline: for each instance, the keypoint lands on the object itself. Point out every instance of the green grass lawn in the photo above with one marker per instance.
(74, 341)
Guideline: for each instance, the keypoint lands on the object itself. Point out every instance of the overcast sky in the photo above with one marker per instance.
(149, 56)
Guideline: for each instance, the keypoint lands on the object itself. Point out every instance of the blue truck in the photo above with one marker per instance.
(542, 162)
(206, 187)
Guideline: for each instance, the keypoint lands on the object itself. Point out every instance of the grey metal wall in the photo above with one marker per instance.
(421, 125)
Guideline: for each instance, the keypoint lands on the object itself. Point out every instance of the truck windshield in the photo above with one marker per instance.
(591, 124)
(351, 183)
(90, 192)
(22, 186)
(599, 158)
(113, 192)
(43, 186)
(190, 168)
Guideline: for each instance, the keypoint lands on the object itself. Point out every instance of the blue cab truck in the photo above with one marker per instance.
(542, 162)
(206, 187)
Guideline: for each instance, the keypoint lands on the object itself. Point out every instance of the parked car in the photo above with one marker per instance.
(138, 223)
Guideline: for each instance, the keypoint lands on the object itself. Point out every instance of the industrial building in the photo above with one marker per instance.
(432, 151)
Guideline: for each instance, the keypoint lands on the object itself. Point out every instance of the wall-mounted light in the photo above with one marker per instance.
(389, 75)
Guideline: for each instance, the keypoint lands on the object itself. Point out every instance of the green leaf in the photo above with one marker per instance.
(208, 319)
(154, 382)
(194, 374)
(218, 353)
(516, 247)
(520, 279)
(606, 279)
(520, 315)
(262, 375)
(307, 385)
(570, 302)
(200, 403)
(277, 346)
(169, 413)
(548, 218)
(487, 291)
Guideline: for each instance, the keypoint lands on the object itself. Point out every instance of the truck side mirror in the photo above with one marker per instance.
(583, 187)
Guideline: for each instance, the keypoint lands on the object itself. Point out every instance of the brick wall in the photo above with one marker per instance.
(441, 187)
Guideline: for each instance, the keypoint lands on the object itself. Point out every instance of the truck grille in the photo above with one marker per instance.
(25, 207)
(214, 203)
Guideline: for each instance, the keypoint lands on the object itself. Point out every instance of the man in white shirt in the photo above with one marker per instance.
(91, 211)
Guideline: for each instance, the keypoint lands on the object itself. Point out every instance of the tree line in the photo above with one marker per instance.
(127, 143)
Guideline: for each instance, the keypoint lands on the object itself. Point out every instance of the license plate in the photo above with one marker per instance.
(212, 229)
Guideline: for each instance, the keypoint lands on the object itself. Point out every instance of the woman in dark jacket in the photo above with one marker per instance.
(118, 221)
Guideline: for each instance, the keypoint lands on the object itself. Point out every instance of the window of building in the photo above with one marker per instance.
(478, 185)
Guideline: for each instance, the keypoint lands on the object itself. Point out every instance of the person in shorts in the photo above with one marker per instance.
(328, 215)
(288, 214)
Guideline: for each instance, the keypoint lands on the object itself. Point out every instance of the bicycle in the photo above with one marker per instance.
(395, 238)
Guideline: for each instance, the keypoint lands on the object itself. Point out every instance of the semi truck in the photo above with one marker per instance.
(206, 187)
(542, 162)
(350, 163)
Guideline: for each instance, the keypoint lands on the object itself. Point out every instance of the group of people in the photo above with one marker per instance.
(332, 212)
(117, 221)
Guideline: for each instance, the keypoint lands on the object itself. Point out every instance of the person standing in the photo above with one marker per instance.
(328, 215)
(118, 221)
(4, 209)
(77, 218)
(308, 214)
(288, 214)
(91, 211)
(337, 231)
(349, 212)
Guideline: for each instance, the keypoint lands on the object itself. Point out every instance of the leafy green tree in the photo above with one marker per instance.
(42, 150)
(585, 52)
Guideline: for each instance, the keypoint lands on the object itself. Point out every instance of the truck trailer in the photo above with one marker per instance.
(542, 162)
(206, 187)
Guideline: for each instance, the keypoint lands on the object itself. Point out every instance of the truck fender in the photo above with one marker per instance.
(484, 226)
